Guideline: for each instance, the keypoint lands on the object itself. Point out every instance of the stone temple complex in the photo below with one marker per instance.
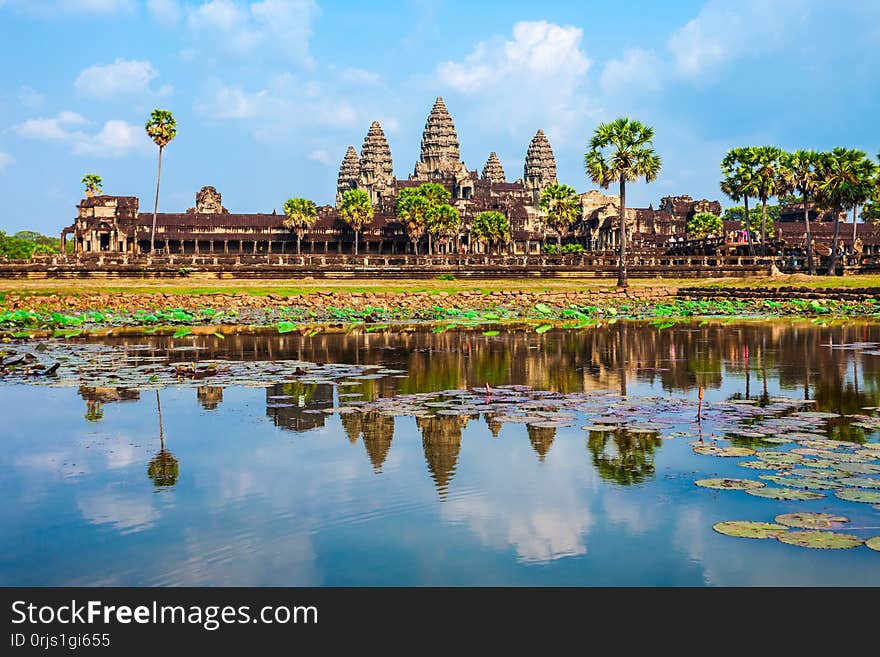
(115, 224)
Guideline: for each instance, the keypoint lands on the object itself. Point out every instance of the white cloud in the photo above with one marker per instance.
(5, 160)
(115, 139)
(30, 98)
(232, 102)
(246, 28)
(722, 32)
(536, 78)
(319, 155)
(165, 11)
(637, 71)
(122, 77)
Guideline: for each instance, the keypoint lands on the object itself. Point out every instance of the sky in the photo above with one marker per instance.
(269, 94)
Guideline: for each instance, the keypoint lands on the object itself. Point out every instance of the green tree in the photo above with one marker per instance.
(738, 182)
(800, 173)
(357, 211)
(93, 183)
(161, 128)
(444, 221)
(491, 228)
(768, 181)
(622, 151)
(412, 209)
(863, 188)
(562, 205)
(840, 179)
(300, 214)
(703, 224)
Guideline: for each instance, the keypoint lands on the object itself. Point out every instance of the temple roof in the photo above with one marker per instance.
(440, 148)
(375, 156)
(540, 168)
(493, 171)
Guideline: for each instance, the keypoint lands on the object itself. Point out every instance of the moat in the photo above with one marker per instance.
(600, 456)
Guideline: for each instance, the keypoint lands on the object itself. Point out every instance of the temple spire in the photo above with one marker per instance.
(440, 149)
(376, 169)
(493, 171)
(349, 172)
(540, 167)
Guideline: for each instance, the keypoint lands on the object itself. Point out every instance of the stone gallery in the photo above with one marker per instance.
(115, 224)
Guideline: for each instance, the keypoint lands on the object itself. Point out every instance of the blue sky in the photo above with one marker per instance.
(269, 94)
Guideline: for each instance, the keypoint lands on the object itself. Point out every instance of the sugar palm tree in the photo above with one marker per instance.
(300, 215)
(492, 228)
(444, 221)
(863, 189)
(357, 211)
(562, 205)
(436, 195)
(840, 176)
(801, 174)
(738, 183)
(622, 151)
(94, 184)
(412, 209)
(161, 128)
(768, 181)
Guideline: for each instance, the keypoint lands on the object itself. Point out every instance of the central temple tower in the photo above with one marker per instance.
(440, 151)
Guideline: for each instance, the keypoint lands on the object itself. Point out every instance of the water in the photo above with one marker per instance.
(254, 484)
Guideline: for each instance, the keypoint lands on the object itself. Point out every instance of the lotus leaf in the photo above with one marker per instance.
(729, 484)
(820, 540)
(749, 529)
(858, 495)
(810, 520)
(785, 494)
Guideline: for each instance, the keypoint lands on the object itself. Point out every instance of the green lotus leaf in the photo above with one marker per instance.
(760, 465)
(810, 520)
(874, 543)
(802, 482)
(861, 482)
(179, 333)
(544, 328)
(712, 450)
(729, 484)
(749, 529)
(792, 494)
(859, 468)
(779, 457)
(858, 495)
(820, 540)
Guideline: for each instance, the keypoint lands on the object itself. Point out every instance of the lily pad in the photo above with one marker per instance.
(859, 468)
(760, 465)
(711, 450)
(858, 495)
(802, 482)
(810, 520)
(820, 540)
(730, 484)
(749, 529)
(779, 457)
(792, 494)
(874, 543)
(861, 482)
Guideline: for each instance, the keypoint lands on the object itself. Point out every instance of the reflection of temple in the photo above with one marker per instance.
(441, 440)
(541, 439)
(96, 396)
(377, 430)
(210, 396)
(289, 412)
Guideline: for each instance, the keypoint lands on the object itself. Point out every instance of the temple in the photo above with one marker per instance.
(115, 223)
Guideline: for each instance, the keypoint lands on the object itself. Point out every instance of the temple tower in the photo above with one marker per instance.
(493, 171)
(540, 168)
(440, 151)
(376, 174)
(349, 172)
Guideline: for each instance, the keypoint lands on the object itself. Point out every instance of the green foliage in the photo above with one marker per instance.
(93, 182)
(562, 206)
(426, 208)
(553, 249)
(300, 214)
(622, 150)
(161, 127)
(356, 208)
(27, 243)
(444, 221)
(491, 228)
(736, 213)
(703, 224)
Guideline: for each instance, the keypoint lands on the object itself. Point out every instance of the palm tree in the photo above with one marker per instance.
(357, 211)
(94, 184)
(436, 195)
(161, 128)
(412, 209)
(863, 189)
(738, 183)
(444, 221)
(562, 205)
(839, 176)
(163, 468)
(491, 228)
(622, 151)
(768, 181)
(800, 171)
(300, 215)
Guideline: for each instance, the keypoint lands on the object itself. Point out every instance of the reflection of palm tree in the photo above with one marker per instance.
(94, 411)
(631, 459)
(163, 468)
(541, 439)
(441, 440)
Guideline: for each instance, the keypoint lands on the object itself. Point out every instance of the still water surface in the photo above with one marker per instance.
(255, 484)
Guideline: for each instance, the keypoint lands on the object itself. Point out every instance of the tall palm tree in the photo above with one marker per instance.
(492, 228)
(436, 195)
(412, 209)
(357, 211)
(622, 151)
(863, 189)
(800, 172)
(768, 181)
(738, 183)
(840, 176)
(300, 215)
(444, 221)
(94, 184)
(562, 205)
(161, 128)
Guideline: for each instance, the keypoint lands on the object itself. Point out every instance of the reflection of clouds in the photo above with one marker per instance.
(636, 516)
(544, 515)
(126, 512)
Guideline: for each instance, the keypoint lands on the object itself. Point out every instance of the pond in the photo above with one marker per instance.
(415, 457)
